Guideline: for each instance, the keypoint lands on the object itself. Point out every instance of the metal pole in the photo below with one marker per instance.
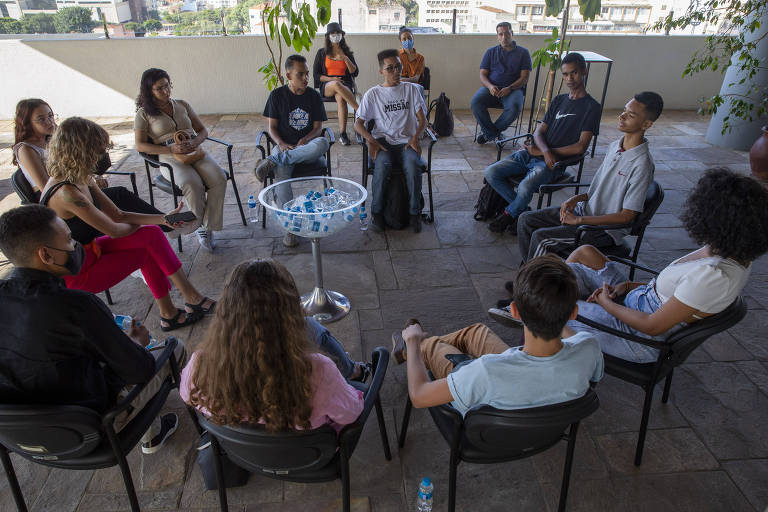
(318, 260)
(342, 26)
(453, 29)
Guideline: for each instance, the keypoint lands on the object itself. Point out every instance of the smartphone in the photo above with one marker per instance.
(174, 218)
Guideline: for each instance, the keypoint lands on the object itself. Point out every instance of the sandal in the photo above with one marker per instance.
(199, 309)
(365, 371)
(173, 323)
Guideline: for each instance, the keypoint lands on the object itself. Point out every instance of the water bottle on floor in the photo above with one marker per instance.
(363, 219)
(124, 322)
(424, 501)
(253, 210)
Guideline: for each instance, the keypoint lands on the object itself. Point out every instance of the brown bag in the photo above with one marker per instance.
(188, 158)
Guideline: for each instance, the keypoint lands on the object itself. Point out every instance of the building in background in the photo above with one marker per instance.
(16, 9)
(114, 11)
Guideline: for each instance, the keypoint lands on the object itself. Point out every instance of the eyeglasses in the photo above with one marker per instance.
(167, 87)
(50, 118)
(394, 67)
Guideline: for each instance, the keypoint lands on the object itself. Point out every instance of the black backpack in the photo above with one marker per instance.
(489, 203)
(443, 123)
(397, 201)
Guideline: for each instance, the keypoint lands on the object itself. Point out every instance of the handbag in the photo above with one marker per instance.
(234, 475)
(188, 158)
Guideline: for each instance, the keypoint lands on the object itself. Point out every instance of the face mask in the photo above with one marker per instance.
(75, 258)
(408, 44)
(335, 38)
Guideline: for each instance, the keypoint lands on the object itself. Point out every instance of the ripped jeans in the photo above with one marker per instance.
(519, 163)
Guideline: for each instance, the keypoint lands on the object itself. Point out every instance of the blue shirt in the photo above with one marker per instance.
(516, 380)
(504, 66)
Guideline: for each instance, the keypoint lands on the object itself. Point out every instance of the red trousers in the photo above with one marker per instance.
(146, 249)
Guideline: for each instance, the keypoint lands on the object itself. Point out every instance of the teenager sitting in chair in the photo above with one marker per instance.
(566, 131)
(399, 113)
(296, 114)
(727, 214)
(62, 346)
(547, 369)
(260, 361)
(131, 241)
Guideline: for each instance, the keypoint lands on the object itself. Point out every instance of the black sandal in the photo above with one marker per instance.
(199, 309)
(365, 371)
(173, 323)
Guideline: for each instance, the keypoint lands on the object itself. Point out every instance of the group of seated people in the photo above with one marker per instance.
(262, 360)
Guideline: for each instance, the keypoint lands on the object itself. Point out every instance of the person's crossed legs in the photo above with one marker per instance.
(475, 340)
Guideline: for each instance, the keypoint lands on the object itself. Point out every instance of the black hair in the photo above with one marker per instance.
(575, 58)
(504, 24)
(24, 229)
(728, 212)
(293, 59)
(386, 54)
(404, 29)
(652, 102)
(545, 295)
(145, 99)
(335, 28)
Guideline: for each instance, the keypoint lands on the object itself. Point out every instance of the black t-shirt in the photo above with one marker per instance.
(295, 113)
(566, 119)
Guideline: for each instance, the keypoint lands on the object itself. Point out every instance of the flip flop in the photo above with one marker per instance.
(173, 323)
(199, 309)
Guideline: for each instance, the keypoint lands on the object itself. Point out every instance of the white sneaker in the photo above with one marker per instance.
(168, 425)
(290, 240)
(205, 238)
(504, 317)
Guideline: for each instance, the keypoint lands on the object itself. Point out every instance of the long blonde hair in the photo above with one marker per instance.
(76, 146)
(254, 362)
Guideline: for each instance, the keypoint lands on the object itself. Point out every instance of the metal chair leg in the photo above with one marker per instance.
(13, 482)
(345, 488)
(643, 425)
(382, 429)
(128, 480)
(568, 464)
(454, 463)
(109, 297)
(404, 424)
(223, 505)
(667, 386)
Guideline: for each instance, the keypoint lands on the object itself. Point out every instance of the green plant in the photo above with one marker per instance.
(73, 19)
(10, 26)
(739, 34)
(290, 23)
(549, 54)
(152, 25)
(41, 23)
(132, 26)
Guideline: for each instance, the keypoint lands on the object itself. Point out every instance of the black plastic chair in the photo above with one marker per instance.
(673, 352)
(368, 167)
(425, 80)
(307, 456)
(299, 171)
(486, 435)
(74, 437)
(170, 187)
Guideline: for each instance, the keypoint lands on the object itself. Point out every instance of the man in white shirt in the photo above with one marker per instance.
(399, 115)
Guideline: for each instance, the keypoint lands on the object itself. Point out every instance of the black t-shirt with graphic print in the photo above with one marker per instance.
(295, 113)
(567, 118)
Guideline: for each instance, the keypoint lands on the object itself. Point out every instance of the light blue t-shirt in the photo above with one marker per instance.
(516, 380)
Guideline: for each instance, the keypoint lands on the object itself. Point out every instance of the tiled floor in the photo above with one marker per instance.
(707, 449)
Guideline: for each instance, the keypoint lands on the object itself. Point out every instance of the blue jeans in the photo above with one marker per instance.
(312, 153)
(512, 104)
(519, 163)
(330, 345)
(398, 156)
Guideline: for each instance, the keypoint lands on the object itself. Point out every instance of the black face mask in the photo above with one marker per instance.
(75, 258)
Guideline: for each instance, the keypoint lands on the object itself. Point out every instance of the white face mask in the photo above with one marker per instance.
(335, 38)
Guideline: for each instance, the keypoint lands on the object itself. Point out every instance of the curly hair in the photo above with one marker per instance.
(75, 148)
(145, 99)
(254, 362)
(728, 212)
(22, 123)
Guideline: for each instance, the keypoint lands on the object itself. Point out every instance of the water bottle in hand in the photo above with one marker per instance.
(253, 209)
(424, 501)
(124, 322)
(363, 219)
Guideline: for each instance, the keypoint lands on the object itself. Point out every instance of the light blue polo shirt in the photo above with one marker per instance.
(516, 380)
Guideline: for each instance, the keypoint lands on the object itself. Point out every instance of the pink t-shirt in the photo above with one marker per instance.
(334, 401)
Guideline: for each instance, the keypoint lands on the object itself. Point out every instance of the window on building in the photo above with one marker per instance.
(522, 9)
(523, 26)
(615, 13)
(643, 14)
(604, 11)
(371, 11)
(397, 16)
(537, 10)
(629, 12)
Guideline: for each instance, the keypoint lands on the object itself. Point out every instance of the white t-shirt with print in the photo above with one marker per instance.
(394, 111)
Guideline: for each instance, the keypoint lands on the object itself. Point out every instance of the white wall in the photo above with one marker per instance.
(219, 74)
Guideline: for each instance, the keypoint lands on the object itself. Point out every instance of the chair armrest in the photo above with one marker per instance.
(500, 143)
(431, 135)
(170, 346)
(350, 434)
(154, 161)
(663, 346)
(120, 173)
(567, 162)
(632, 264)
(329, 133)
(552, 187)
(219, 141)
(263, 133)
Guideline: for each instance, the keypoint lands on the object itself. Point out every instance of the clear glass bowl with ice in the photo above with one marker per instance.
(314, 207)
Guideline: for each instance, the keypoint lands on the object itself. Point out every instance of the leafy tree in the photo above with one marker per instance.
(10, 26)
(153, 14)
(238, 20)
(73, 19)
(132, 26)
(152, 25)
(41, 23)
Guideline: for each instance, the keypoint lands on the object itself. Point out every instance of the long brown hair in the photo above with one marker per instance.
(75, 148)
(254, 362)
(22, 123)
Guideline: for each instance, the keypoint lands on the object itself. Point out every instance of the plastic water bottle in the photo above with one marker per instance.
(124, 322)
(363, 219)
(253, 210)
(424, 501)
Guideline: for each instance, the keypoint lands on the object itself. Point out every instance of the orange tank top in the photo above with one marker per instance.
(335, 67)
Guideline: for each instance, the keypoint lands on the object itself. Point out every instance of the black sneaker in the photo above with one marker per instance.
(344, 139)
(504, 303)
(480, 139)
(416, 223)
(377, 223)
(168, 425)
(502, 222)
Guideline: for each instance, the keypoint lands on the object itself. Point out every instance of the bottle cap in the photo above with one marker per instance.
(426, 481)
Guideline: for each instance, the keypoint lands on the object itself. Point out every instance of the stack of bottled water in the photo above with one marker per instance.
(314, 212)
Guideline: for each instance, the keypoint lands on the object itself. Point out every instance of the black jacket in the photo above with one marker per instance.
(318, 68)
(61, 346)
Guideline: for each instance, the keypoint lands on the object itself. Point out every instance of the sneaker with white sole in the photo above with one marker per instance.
(265, 167)
(290, 240)
(206, 240)
(168, 425)
(504, 317)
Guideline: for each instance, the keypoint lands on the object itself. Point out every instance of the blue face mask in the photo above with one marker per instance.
(408, 44)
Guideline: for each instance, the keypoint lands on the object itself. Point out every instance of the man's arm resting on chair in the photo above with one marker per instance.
(317, 130)
(625, 216)
(373, 145)
(423, 392)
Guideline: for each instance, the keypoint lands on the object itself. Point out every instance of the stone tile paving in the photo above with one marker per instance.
(707, 449)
